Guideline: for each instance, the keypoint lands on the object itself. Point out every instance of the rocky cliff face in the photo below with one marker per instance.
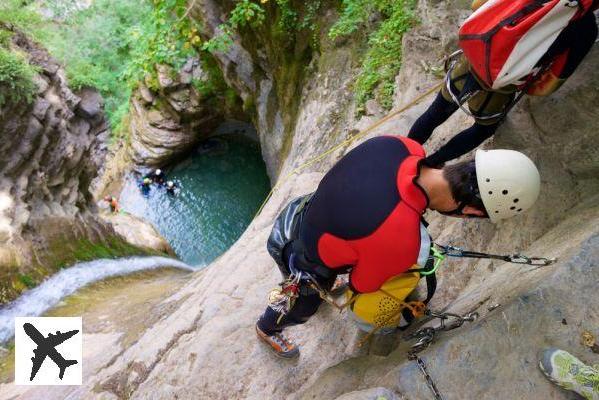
(272, 72)
(52, 148)
(205, 346)
(50, 151)
(171, 113)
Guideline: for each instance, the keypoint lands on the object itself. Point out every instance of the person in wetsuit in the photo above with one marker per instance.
(113, 203)
(366, 218)
(488, 106)
(171, 188)
(157, 177)
(145, 186)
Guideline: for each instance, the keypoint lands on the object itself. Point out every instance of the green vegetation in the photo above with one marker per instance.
(20, 14)
(27, 281)
(382, 60)
(83, 249)
(245, 13)
(61, 253)
(113, 44)
(291, 17)
(16, 78)
(16, 74)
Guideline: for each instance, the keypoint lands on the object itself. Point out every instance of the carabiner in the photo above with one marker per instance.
(439, 257)
(540, 261)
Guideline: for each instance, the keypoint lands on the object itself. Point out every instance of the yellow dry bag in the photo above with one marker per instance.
(382, 309)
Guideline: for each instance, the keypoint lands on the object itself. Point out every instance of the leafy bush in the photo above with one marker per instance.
(16, 78)
(293, 16)
(245, 13)
(382, 60)
(113, 44)
(354, 14)
(23, 15)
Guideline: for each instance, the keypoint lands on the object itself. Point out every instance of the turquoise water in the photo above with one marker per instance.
(221, 187)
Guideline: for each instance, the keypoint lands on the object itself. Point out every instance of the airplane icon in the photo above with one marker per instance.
(46, 347)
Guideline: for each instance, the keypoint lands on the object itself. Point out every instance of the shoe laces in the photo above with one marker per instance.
(282, 340)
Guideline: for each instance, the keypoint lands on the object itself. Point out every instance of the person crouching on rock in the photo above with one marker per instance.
(366, 217)
(113, 203)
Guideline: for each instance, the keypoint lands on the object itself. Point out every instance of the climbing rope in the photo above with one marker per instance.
(346, 142)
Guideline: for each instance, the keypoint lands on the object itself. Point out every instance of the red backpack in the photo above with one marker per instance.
(504, 40)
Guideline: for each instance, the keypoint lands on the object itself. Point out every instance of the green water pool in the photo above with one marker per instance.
(221, 186)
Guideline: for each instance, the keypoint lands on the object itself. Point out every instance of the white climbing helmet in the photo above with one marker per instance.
(158, 172)
(508, 181)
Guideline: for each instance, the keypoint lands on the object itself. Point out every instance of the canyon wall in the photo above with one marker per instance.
(50, 152)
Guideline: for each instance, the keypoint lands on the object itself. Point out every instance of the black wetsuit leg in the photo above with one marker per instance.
(438, 112)
(304, 307)
(462, 143)
(578, 39)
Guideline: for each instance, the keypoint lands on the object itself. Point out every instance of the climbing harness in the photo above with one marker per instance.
(461, 99)
(346, 142)
(453, 251)
(282, 299)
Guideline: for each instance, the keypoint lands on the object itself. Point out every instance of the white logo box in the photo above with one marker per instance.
(69, 349)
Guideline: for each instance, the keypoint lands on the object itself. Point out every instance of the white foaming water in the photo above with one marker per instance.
(36, 301)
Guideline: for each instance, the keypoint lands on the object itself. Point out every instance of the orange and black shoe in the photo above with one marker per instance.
(281, 346)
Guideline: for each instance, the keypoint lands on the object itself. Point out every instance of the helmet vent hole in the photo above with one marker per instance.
(516, 200)
(496, 211)
(512, 208)
(505, 191)
(490, 192)
(519, 210)
(488, 180)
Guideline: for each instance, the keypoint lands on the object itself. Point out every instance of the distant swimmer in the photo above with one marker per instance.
(171, 188)
(157, 176)
(144, 186)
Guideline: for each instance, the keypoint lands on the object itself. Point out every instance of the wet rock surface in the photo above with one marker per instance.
(139, 233)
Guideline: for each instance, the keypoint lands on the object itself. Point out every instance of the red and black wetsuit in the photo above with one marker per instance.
(366, 213)
(365, 216)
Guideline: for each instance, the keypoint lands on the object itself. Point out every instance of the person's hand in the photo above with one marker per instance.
(476, 4)
(546, 84)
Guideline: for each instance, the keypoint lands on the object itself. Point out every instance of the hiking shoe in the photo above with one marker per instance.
(568, 372)
(281, 346)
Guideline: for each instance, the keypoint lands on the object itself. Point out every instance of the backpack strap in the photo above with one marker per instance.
(431, 288)
(428, 272)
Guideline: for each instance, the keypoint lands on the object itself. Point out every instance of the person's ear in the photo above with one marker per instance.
(473, 211)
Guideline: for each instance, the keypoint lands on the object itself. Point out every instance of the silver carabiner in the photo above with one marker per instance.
(541, 261)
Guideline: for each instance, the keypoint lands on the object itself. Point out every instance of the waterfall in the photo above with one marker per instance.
(36, 301)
